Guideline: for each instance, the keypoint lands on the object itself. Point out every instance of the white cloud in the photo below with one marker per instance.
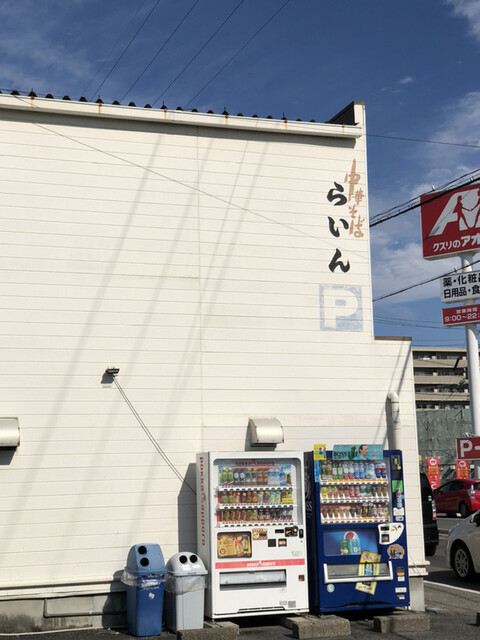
(407, 80)
(469, 9)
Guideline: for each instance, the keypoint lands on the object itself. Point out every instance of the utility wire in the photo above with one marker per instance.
(101, 67)
(418, 284)
(394, 212)
(450, 144)
(199, 51)
(238, 52)
(150, 436)
(126, 49)
(159, 51)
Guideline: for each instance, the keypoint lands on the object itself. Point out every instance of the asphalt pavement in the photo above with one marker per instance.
(452, 613)
(452, 608)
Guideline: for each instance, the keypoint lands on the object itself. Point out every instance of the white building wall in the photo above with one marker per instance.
(196, 259)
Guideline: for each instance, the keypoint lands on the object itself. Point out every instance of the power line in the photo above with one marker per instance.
(126, 49)
(101, 67)
(450, 144)
(199, 51)
(159, 51)
(238, 52)
(418, 284)
(399, 210)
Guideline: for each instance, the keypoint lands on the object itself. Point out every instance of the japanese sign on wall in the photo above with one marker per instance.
(342, 224)
(450, 222)
(460, 287)
(341, 304)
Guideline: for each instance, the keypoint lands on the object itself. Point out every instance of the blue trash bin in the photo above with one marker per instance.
(144, 576)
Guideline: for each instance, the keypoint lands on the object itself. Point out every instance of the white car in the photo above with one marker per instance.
(463, 547)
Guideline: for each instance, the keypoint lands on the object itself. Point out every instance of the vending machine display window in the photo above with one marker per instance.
(348, 542)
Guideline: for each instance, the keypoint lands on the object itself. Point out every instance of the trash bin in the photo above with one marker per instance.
(144, 576)
(185, 592)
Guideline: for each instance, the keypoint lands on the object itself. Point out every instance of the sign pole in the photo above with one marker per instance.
(471, 340)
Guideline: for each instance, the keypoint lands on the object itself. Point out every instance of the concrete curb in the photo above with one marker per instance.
(317, 627)
(401, 622)
(211, 631)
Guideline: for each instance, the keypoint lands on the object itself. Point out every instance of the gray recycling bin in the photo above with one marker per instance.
(144, 576)
(185, 592)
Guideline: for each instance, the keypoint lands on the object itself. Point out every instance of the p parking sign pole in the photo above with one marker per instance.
(473, 363)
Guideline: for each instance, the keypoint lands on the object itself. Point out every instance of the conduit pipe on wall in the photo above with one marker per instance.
(393, 408)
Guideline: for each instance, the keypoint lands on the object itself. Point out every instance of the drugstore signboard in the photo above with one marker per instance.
(450, 222)
(461, 315)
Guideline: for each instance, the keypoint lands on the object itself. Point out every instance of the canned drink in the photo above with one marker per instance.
(345, 548)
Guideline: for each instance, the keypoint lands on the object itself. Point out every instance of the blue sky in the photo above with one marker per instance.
(414, 63)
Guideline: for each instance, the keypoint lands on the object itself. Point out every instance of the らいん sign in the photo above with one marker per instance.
(450, 222)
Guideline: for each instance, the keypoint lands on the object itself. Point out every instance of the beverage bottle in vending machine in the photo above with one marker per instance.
(329, 470)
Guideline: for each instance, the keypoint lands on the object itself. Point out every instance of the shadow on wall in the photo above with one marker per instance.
(6, 456)
(187, 512)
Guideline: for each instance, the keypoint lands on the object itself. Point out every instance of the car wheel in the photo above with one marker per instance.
(430, 549)
(462, 563)
(464, 510)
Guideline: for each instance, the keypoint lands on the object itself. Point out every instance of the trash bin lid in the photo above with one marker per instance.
(145, 559)
(186, 563)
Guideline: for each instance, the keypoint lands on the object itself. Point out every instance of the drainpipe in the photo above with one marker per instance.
(393, 418)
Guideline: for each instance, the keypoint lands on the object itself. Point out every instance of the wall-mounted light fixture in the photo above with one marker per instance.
(265, 431)
(9, 433)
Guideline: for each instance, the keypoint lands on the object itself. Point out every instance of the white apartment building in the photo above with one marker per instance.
(440, 376)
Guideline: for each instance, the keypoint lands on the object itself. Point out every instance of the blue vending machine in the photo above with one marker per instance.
(356, 535)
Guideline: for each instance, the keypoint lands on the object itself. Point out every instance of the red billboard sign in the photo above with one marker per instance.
(460, 315)
(433, 472)
(462, 469)
(450, 222)
(468, 448)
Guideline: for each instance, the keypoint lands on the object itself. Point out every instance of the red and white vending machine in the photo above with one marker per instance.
(251, 532)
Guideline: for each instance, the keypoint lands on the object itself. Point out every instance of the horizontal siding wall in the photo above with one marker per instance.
(192, 259)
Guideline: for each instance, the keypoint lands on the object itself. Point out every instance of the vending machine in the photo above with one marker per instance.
(356, 531)
(251, 532)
